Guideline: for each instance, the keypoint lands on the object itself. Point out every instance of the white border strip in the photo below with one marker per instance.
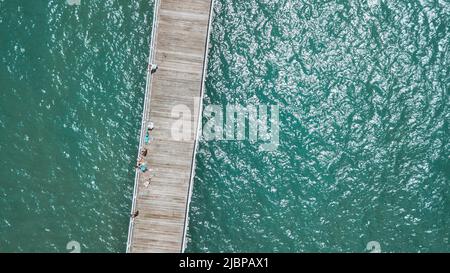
(145, 111)
(199, 128)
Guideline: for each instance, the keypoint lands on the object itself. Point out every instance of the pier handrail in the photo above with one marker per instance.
(147, 99)
(199, 129)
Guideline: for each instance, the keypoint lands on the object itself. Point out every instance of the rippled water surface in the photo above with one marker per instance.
(364, 155)
(72, 81)
(363, 89)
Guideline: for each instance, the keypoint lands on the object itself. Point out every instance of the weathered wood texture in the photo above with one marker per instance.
(181, 34)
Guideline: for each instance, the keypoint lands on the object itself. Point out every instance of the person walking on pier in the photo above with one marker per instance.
(150, 127)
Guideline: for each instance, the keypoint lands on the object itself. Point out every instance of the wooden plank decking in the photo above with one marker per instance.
(179, 50)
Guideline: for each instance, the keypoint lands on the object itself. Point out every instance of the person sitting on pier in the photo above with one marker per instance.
(144, 152)
(153, 68)
(135, 214)
(141, 165)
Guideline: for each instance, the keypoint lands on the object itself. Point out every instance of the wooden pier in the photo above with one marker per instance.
(162, 194)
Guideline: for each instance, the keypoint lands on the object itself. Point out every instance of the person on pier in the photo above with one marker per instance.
(147, 133)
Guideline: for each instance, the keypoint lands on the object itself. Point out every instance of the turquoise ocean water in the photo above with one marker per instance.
(72, 82)
(364, 154)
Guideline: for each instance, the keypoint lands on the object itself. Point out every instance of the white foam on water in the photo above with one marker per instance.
(74, 2)
(373, 3)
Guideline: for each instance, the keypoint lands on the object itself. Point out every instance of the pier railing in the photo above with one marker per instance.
(145, 113)
(199, 129)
